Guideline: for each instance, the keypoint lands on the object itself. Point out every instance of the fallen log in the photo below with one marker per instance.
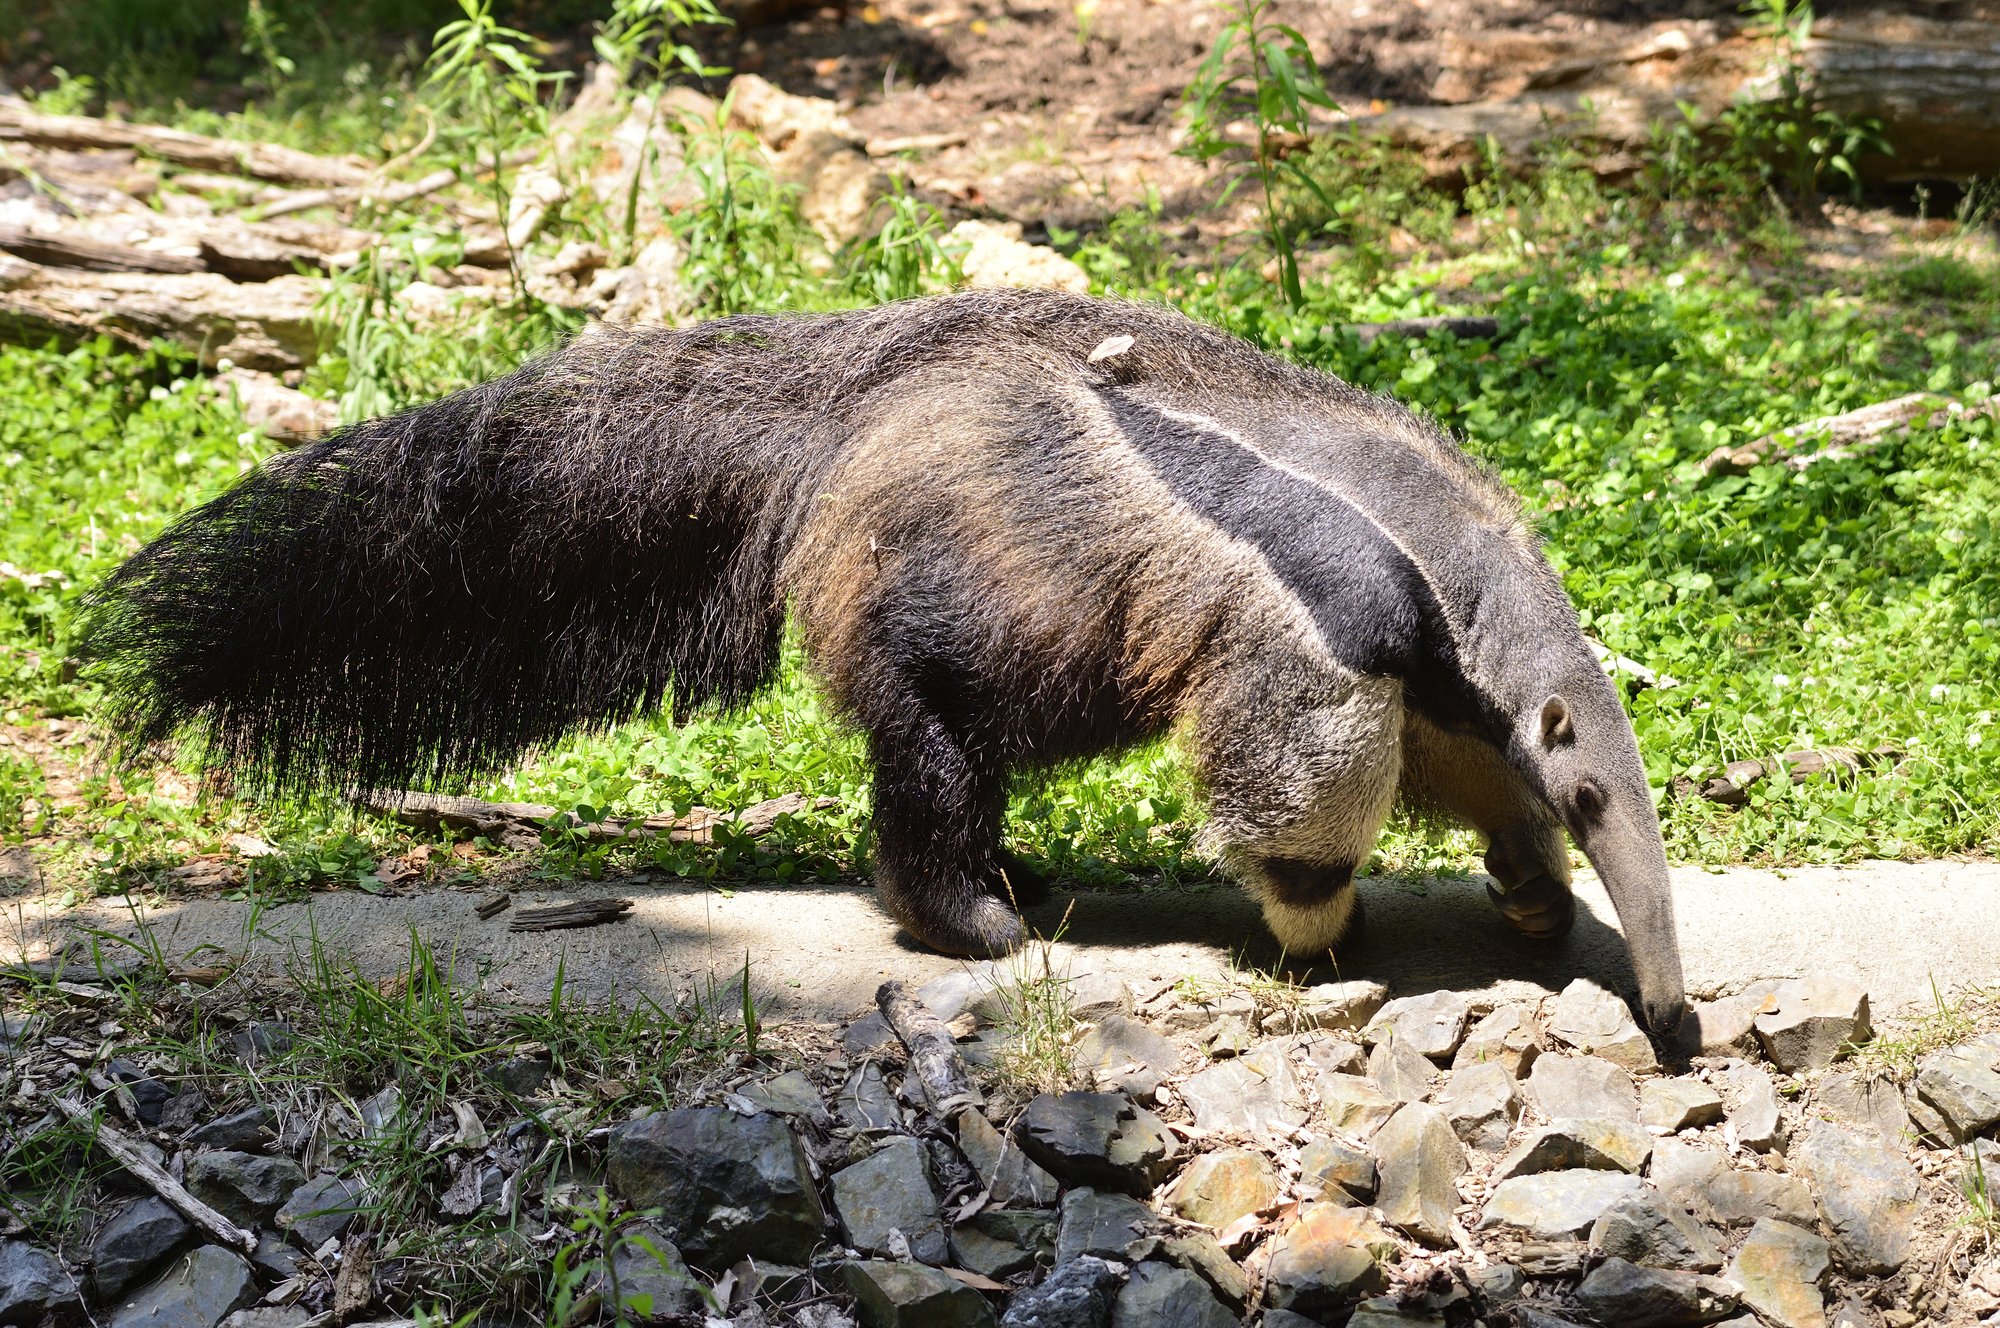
(431, 811)
(562, 917)
(1466, 328)
(22, 123)
(89, 255)
(264, 325)
(384, 196)
(934, 1057)
(1839, 436)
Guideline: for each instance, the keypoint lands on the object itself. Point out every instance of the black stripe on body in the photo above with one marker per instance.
(1370, 602)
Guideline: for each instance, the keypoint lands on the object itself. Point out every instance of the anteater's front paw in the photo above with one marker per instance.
(1542, 908)
(982, 928)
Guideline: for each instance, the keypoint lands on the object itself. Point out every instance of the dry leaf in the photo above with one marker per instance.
(975, 1280)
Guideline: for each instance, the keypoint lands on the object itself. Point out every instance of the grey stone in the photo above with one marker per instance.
(1927, 1124)
(789, 1094)
(1078, 1294)
(1704, 1182)
(870, 1035)
(1314, 1272)
(1323, 1051)
(1352, 1105)
(1217, 1188)
(198, 1291)
(728, 1185)
(988, 1046)
(275, 1257)
(251, 1130)
(1509, 1037)
(1349, 1005)
(244, 1187)
(1854, 1099)
(257, 1042)
(1497, 1282)
(865, 1101)
(1981, 1174)
(1383, 1312)
(1556, 1205)
(1779, 1269)
(1854, 1313)
(1678, 1104)
(1252, 1094)
(1344, 1176)
(1599, 1023)
(888, 1192)
(1401, 1074)
(1868, 1196)
(1727, 1027)
(1158, 1295)
(149, 1093)
(133, 1243)
(521, 1076)
(1756, 1118)
(1432, 1025)
(1418, 1158)
(1482, 1102)
(1123, 1053)
(1631, 1296)
(1007, 1174)
(1197, 1253)
(1230, 1035)
(321, 1209)
(1187, 1016)
(33, 1285)
(1962, 1084)
(1000, 1242)
(18, 1030)
(1527, 1316)
(1094, 996)
(380, 1112)
(651, 1273)
(1817, 1021)
(1569, 1145)
(951, 995)
(185, 1110)
(1582, 1088)
(1101, 1224)
(1096, 1139)
(268, 1316)
(1648, 1228)
(909, 1295)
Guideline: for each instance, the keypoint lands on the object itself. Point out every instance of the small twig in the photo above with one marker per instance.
(933, 1051)
(164, 1185)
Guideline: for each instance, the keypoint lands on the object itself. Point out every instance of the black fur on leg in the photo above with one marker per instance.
(1020, 885)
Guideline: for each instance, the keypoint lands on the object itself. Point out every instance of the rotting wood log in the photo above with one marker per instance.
(1841, 436)
(933, 1051)
(22, 123)
(1466, 328)
(431, 812)
(169, 1189)
(263, 325)
(562, 917)
(90, 255)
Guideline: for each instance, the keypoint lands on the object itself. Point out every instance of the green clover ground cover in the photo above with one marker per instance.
(1856, 603)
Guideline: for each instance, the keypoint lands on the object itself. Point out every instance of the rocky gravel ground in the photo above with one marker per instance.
(1208, 1154)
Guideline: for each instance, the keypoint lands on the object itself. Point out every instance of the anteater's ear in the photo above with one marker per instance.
(1556, 727)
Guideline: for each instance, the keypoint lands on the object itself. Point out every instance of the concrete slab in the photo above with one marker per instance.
(819, 952)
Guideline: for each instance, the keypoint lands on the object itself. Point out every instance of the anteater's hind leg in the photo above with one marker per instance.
(1299, 784)
(1467, 777)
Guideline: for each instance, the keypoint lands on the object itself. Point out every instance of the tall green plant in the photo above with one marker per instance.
(653, 33)
(1262, 70)
(743, 236)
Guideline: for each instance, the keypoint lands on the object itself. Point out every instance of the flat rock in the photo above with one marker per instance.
(521, 1076)
(150, 1093)
(909, 1295)
(1499, 1282)
(1432, 1025)
(274, 1257)
(1599, 1023)
(261, 1040)
(244, 1187)
(1868, 1196)
(1583, 1088)
(1189, 1015)
(890, 1192)
(1077, 1294)
(1678, 1104)
(1779, 1270)
(1344, 1175)
(1400, 1073)
(648, 1265)
(1007, 1174)
(1755, 1117)
(729, 1186)
(133, 1243)
(1704, 1182)
(1094, 997)
(1387, 1312)
(1349, 1005)
(1726, 1027)
(1650, 1229)
(866, 1101)
(1854, 1099)
(789, 1094)
(1624, 1293)
(1509, 1037)
(1324, 1051)
(1096, 1139)
(1418, 1159)
(1352, 1105)
(870, 1035)
(1158, 1295)
(951, 995)
(33, 1285)
(1101, 1224)
(321, 1209)
(1197, 1253)
(1818, 1020)
(199, 1291)
(1556, 1205)
(1253, 1094)
(1123, 1053)
(1314, 1272)
(1482, 1102)
(1217, 1188)
(1569, 1145)
(1962, 1084)
(252, 1130)
(1000, 1242)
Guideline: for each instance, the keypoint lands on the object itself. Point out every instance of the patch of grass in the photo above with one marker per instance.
(1040, 1052)
(1896, 1054)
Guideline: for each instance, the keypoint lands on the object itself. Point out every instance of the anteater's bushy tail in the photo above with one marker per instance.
(422, 598)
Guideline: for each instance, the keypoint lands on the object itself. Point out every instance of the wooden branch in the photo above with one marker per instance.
(136, 1162)
(78, 251)
(933, 1051)
(381, 196)
(21, 123)
(560, 917)
(1465, 328)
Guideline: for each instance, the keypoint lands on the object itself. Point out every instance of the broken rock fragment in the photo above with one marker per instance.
(1096, 1139)
(1509, 1037)
(1867, 1194)
(1779, 1269)
(1482, 1102)
(1598, 1023)
(1818, 1020)
(1418, 1159)
(1217, 1188)
(1432, 1025)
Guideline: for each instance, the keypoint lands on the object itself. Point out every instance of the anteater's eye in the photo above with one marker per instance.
(1589, 800)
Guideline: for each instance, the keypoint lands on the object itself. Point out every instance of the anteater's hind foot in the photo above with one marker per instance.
(1312, 908)
(1015, 883)
(1542, 908)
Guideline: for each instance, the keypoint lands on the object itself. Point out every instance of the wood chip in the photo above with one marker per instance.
(493, 905)
(354, 1284)
(582, 913)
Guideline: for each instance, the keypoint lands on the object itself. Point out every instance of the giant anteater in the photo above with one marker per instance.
(1017, 528)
